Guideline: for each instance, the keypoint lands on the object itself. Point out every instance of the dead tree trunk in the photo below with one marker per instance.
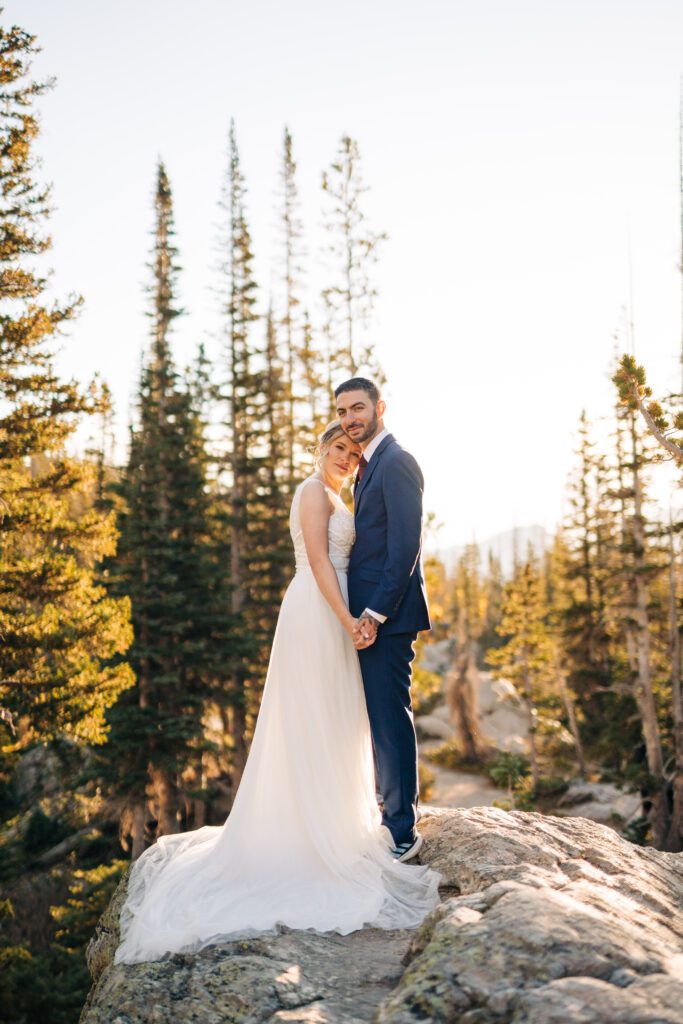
(528, 699)
(137, 830)
(568, 702)
(238, 760)
(462, 695)
(167, 799)
(643, 690)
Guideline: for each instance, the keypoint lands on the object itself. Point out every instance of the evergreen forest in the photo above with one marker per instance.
(139, 594)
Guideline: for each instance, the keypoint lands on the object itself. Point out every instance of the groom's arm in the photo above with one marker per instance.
(402, 486)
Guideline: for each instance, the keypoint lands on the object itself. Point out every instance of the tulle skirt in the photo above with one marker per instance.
(303, 845)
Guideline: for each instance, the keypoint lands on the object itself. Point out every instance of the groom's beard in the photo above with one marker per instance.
(369, 431)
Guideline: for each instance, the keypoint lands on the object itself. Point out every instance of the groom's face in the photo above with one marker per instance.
(358, 415)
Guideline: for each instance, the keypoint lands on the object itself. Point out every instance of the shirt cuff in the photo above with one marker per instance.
(375, 615)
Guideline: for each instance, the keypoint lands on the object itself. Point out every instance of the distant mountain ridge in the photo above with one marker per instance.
(502, 545)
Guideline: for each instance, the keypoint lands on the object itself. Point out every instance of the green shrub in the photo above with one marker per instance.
(449, 755)
(43, 832)
(426, 780)
(507, 770)
(50, 987)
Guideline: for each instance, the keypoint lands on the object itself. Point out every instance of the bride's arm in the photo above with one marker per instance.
(314, 513)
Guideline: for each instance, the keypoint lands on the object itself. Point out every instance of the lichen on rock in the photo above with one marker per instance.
(557, 921)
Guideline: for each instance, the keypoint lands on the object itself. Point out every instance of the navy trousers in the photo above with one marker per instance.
(386, 678)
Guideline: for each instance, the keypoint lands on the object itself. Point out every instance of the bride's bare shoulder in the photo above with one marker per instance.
(315, 500)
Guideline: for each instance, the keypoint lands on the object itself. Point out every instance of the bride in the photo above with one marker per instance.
(303, 845)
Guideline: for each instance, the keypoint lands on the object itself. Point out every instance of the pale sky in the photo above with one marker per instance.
(515, 153)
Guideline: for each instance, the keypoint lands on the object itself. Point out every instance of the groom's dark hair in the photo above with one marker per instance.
(359, 384)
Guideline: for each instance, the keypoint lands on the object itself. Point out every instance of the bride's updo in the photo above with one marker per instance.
(325, 440)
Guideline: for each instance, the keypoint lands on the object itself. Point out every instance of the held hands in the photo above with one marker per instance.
(364, 633)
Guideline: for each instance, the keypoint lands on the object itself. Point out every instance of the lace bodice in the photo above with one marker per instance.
(341, 531)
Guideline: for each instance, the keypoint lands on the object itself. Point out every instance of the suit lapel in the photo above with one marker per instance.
(372, 465)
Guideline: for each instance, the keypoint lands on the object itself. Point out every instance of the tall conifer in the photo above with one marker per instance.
(352, 250)
(166, 566)
(291, 230)
(241, 398)
(640, 566)
(493, 597)
(584, 567)
(276, 481)
(307, 400)
(315, 391)
(57, 624)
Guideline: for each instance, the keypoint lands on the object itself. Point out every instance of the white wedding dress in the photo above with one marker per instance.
(303, 845)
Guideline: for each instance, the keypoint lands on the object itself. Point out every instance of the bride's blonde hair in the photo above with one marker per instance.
(325, 440)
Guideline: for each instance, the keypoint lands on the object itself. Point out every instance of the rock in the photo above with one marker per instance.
(292, 976)
(437, 656)
(443, 712)
(548, 921)
(590, 1001)
(494, 692)
(579, 791)
(503, 722)
(102, 946)
(38, 773)
(571, 924)
(599, 801)
(506, 729)
(431, 725)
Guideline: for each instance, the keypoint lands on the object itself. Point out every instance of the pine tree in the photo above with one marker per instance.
(315, 393)
(241, 398)
(213, 770)
(493, 598)
(57, 624)
(166, 567)
(581, 501)
(556, 588)
(584, 567)
(640, 566)
(307, 393)
(664, 424)
(528, 656)
(292, 230)
(257, 465)
(269, 543)
(352, 250)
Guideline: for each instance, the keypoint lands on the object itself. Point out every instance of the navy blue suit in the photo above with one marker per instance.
(385, 574)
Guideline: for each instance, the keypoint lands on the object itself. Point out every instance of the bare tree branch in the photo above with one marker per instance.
(658, 434)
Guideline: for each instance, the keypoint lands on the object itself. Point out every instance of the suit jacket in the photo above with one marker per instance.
(385, 571)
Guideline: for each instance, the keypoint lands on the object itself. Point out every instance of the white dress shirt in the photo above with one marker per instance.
(371, 448)
(367, 454)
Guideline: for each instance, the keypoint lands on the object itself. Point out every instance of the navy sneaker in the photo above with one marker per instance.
(408, 850)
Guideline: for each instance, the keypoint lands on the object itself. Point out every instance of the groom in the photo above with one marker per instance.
(387, 593)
